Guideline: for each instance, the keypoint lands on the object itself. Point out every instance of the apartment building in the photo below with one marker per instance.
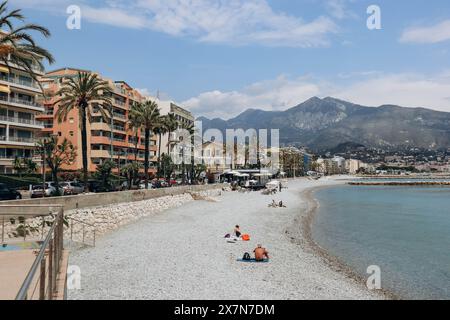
(184, 118)
(19, 107)
(107, 139)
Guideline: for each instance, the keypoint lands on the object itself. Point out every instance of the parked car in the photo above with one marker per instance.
(37, 191)
(72, 188)
(8, 193)
(97, 187)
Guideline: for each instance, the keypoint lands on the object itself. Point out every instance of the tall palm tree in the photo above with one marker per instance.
(148, 115)
(190, 127)
(134, 123)
(17, 46)
(160, 129)
(172, 124)
(80, 93)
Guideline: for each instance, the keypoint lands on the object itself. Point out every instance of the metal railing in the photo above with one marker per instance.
(41, 280)
(84, 232)
(21, 120)
(27, 83)
(30, 103)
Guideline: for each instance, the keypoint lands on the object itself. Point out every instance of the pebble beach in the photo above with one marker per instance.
(181, 253)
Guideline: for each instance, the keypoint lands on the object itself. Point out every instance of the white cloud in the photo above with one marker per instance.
(430, 34)
(234, 22)
(270, 95)
(366, 88)
(339, 9)
(114, 17)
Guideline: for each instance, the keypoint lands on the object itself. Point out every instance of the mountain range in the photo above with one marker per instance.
(324, 124)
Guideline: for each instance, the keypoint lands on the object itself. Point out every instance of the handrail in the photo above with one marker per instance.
(52, 247)
(83, 223)
(23, 292)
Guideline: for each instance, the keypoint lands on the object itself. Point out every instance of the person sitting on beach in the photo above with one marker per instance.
(281, 205)
(261, 253)
(237, 231)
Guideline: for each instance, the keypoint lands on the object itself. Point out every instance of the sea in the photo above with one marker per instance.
(401, 233)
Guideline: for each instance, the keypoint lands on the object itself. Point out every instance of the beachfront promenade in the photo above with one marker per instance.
(180, 253)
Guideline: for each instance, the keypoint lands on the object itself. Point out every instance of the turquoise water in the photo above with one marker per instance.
(403, 230)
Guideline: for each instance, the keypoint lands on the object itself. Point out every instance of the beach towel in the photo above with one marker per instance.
(253, 261)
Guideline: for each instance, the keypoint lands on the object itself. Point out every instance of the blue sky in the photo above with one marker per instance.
(222, 57)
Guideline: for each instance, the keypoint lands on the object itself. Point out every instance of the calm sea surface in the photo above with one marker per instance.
(403, 230)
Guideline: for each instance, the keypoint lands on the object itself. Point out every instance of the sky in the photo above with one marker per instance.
(219, 58)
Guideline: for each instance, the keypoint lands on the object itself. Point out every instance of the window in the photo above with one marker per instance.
(71, 120)
(71, 133)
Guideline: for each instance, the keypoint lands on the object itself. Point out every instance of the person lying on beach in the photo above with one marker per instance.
(261, 253)
(273, 204)
(237, 231)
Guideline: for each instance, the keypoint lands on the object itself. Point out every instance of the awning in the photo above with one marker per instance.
(4, 69)
(4, 89)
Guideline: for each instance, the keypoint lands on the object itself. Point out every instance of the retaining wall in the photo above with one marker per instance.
(101, 199)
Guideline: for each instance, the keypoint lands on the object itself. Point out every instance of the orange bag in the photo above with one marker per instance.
(245, 237)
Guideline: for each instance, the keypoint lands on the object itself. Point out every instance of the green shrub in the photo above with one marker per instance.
(19, 183)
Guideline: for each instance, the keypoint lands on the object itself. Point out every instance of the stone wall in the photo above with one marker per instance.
(102, 199)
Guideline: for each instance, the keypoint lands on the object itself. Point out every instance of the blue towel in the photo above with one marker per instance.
(253, 261)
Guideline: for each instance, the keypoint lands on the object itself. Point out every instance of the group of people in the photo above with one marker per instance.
(274, 204)
(261, 253)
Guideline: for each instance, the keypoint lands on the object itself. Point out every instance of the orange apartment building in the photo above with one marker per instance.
(99, 130)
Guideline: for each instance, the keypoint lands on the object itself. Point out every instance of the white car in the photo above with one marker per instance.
(38, 192)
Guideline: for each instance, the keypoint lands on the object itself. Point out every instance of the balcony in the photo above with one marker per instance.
(119, 115)
(31, 122)
(21, 102)
(34, 67)
(20, 139)
(119, 128)
(120, 103)
(31, 84)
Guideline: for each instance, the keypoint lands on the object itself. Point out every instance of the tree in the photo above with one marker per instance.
(131, 172)
(171, 123)
(104, 174)
(160, 129)
(30, 165)
(17, 46)
(167, 166)
(56, 155)
(147, 114)
(135, 124)
(80, 93)
(190, 127)
(18, 166)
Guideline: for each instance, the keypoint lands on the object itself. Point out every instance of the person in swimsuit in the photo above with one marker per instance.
(237, 231)
(261, 253)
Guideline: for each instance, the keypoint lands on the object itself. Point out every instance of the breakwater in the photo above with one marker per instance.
(399, 183)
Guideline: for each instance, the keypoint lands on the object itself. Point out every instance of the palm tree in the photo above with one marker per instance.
(160, 129)
(17, 46)
(172, 124)
(149, 116)
(134, 123)
(80, 93)
(57, 154)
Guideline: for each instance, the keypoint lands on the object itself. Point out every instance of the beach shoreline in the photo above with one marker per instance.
(140, 263)
(305, 223)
